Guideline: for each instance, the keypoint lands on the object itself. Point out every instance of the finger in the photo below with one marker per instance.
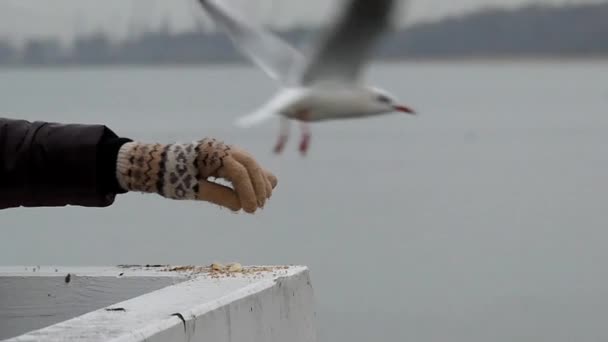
(269, 183)
(255, 173)
(219, 194)
(272, 178)
(239, 177)
(268, 187)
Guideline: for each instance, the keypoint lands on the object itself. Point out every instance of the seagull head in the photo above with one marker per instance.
(386, 103)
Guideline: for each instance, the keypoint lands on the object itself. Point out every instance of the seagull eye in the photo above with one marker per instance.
(384, 99)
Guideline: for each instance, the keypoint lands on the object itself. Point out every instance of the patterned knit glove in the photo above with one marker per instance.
(182, 172)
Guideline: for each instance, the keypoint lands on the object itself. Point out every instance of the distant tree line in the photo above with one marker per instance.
(545, 31)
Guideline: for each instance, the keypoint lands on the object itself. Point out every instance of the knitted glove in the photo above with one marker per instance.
(182, 172)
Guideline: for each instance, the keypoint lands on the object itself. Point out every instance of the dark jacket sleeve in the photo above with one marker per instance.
(46, 164)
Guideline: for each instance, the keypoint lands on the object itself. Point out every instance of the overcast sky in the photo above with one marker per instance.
(25, 18)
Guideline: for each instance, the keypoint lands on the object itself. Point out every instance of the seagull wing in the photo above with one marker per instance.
(269, 52)
(275, 107)
(344, 48)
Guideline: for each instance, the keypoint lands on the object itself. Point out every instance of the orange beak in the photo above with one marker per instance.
(405, 109)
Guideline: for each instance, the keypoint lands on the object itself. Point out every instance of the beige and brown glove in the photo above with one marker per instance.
(183, 172)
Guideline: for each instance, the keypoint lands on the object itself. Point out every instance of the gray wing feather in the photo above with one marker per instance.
(345, 47)
(268, 51)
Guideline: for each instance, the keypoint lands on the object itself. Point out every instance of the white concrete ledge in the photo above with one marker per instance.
(166, 304)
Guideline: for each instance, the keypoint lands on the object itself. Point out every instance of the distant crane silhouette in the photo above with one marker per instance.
(141, 11)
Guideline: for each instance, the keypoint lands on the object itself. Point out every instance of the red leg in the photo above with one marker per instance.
(283, 136)
(306, 134)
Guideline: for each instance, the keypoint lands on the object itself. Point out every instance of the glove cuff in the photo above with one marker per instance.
(171, 171)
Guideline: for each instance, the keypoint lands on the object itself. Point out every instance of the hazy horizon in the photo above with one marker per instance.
(24, 19)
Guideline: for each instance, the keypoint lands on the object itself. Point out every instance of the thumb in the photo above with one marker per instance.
(219, 195)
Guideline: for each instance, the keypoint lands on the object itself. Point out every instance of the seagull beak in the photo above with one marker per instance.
(404, 109)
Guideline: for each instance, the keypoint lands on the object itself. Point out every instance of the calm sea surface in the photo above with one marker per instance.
(483, 219)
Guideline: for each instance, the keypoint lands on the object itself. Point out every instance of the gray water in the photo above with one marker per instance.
(483, 219)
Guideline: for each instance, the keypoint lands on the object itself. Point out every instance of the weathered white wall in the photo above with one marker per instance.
(281, 312)
(264, 306)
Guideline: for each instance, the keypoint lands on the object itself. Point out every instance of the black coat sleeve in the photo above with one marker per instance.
(45, 164)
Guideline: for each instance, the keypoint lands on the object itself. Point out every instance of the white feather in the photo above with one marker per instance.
(254, 118)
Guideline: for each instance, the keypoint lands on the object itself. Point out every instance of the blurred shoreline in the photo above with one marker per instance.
(531, 33)
(502, 60)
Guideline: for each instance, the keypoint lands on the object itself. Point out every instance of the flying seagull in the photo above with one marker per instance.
(322, 82)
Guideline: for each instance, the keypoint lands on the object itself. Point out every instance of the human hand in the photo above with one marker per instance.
(183, 172)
